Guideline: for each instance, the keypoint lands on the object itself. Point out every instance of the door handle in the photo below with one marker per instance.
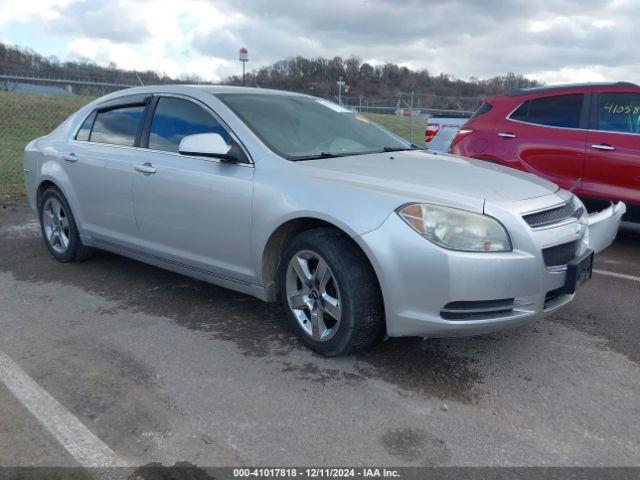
(145, 168)
(506, 135)
(603, 146)
(70, 157)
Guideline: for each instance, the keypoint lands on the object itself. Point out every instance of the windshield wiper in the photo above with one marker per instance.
(320, 155)
(352, 154)
(401, 149)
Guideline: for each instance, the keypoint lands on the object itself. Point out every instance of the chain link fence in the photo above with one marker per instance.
(30, 108)
(409, 123)
(23, 117)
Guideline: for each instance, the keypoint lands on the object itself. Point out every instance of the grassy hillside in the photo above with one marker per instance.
(24, 117)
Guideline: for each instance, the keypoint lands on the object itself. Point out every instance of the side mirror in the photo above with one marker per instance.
(210, 145)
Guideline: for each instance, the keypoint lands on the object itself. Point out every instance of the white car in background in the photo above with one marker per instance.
(440, 131)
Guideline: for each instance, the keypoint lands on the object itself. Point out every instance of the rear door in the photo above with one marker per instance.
(195, 211)
(612, 167)
(546, 136)
(98, 162)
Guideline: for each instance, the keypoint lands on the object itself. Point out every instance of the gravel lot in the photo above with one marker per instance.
(162, 368)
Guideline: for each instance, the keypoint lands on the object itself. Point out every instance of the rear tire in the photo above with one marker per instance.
(330, 293)
(59, 229)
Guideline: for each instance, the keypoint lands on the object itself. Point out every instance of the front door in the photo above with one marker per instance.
(612, 167)
(192, 210)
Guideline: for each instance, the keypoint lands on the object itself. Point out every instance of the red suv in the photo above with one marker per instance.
(585, 138)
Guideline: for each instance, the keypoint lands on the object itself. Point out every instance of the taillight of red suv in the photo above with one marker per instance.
(431, 132)
(462, 133)
(467, 129)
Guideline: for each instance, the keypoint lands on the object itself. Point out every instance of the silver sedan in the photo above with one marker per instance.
(288, 197)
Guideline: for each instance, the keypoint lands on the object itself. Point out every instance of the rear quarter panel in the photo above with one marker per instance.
(480, 144)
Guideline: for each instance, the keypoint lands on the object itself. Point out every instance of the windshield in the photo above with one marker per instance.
(300, 128)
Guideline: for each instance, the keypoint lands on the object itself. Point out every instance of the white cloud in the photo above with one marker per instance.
(596, 73)
(156, 35)
(553, 40)
(28, 10)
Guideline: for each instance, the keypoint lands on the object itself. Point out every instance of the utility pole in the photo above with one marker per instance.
(341, 84)
(411, 118)
(244, 58)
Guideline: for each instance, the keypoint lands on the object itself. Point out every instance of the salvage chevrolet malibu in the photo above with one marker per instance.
(285, 196)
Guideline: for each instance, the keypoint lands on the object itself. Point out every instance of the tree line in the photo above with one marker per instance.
(15, 60)
(388, 84)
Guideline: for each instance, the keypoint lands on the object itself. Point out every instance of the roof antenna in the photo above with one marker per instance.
(139, 79)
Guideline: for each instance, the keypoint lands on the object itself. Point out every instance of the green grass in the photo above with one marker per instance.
(24, 117)
(401, 126)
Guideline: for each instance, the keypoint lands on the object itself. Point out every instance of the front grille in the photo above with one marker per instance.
(471, 310)
(554, 215)
(560, 254)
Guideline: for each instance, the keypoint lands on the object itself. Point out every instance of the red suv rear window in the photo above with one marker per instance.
(484, 108)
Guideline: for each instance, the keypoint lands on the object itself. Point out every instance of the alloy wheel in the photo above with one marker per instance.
(55, 222)
(313, 295)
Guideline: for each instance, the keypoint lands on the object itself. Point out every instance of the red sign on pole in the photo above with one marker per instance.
(244, 55)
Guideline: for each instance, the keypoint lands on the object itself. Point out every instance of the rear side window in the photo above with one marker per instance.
(619, 112)
(118, 126)
(484, 108)
(557, 111)
(175, 118)
(521, 113)
(85, 129)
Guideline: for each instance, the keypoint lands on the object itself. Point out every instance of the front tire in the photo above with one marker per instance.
(330, 293)
(59, 229)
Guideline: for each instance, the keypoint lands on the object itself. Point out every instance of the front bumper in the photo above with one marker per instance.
(603, 226)
(421, 282)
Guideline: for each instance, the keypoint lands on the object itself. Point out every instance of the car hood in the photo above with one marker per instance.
(421, 175)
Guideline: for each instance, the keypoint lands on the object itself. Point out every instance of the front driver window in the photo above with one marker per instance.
(175, 118)
(619, 112)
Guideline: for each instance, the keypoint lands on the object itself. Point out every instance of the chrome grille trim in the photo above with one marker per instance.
(467, 310)
(554, 215)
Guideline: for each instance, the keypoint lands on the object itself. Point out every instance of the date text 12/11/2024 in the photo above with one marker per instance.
(316, 473)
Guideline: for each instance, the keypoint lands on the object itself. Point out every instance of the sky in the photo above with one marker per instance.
(554, 41)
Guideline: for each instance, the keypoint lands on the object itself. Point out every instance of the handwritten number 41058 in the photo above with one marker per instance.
(616, 109)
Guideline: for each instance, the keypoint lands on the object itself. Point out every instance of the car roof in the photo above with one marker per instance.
(569, 86)
(186, 88)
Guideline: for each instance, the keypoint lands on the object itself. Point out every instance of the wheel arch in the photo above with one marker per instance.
(61, 182)
(42, 186)
(275, 245)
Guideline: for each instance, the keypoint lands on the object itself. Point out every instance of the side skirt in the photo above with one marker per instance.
(177, 267)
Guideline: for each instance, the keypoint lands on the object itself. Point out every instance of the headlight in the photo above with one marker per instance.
(456, 229)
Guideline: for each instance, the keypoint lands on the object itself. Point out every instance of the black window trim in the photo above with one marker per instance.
(584, 122)
(146, 129)
(94, 114)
